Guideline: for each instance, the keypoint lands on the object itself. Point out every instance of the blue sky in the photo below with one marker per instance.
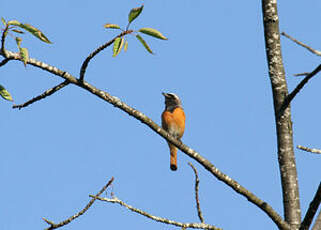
(59, 150)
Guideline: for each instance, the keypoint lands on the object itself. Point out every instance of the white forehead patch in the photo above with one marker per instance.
(174, 95)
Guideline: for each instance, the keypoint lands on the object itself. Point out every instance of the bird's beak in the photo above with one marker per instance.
(165, 94)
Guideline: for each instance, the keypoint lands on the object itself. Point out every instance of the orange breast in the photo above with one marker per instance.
(174, 122)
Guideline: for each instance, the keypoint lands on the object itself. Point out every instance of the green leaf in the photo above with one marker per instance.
(31, 29)
(134, 13)
(144, 43)
(5, 94)
(126, 46)
(18, 41)
(118, 44)
(35, 32)
(14, 23)
(111, 26)
(3, 21)
(152, 32)
(24, 55)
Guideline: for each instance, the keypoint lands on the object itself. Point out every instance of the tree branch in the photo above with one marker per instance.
(313, 208)
(317, 52)
(297, 89)
(3, 39)
(317, 151)
(67, 221)
(300, 74)
(99, 49)
(284, 131)
(43, 95)
(147, 121)
(5, 61)
(197, 181)
(156, 218)
(317, 223)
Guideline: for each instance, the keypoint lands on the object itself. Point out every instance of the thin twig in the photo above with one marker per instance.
(277, 219)
(67, 221)
(198, 206)
(317, 52)
(313, 208)
(156, 218)
(317, 151)
(297, 89)
(43, 95)
(95, 52)
(317, 223)
(3, 38)
(300, 74)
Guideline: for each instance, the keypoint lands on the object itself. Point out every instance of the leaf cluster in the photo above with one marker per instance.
(120, 42)
(16, 26)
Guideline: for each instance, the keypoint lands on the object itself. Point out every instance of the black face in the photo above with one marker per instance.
(169, 96)
(171, 100)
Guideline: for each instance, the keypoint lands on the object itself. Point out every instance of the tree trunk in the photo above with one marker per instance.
(287, 165)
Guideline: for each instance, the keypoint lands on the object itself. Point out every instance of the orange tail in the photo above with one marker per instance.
(173, 161)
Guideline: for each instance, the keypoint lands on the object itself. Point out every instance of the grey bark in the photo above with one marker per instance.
(286, 158)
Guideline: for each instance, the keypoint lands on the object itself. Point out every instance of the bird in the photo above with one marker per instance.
(173, 121)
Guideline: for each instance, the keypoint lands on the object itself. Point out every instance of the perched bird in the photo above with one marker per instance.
(173, 121)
